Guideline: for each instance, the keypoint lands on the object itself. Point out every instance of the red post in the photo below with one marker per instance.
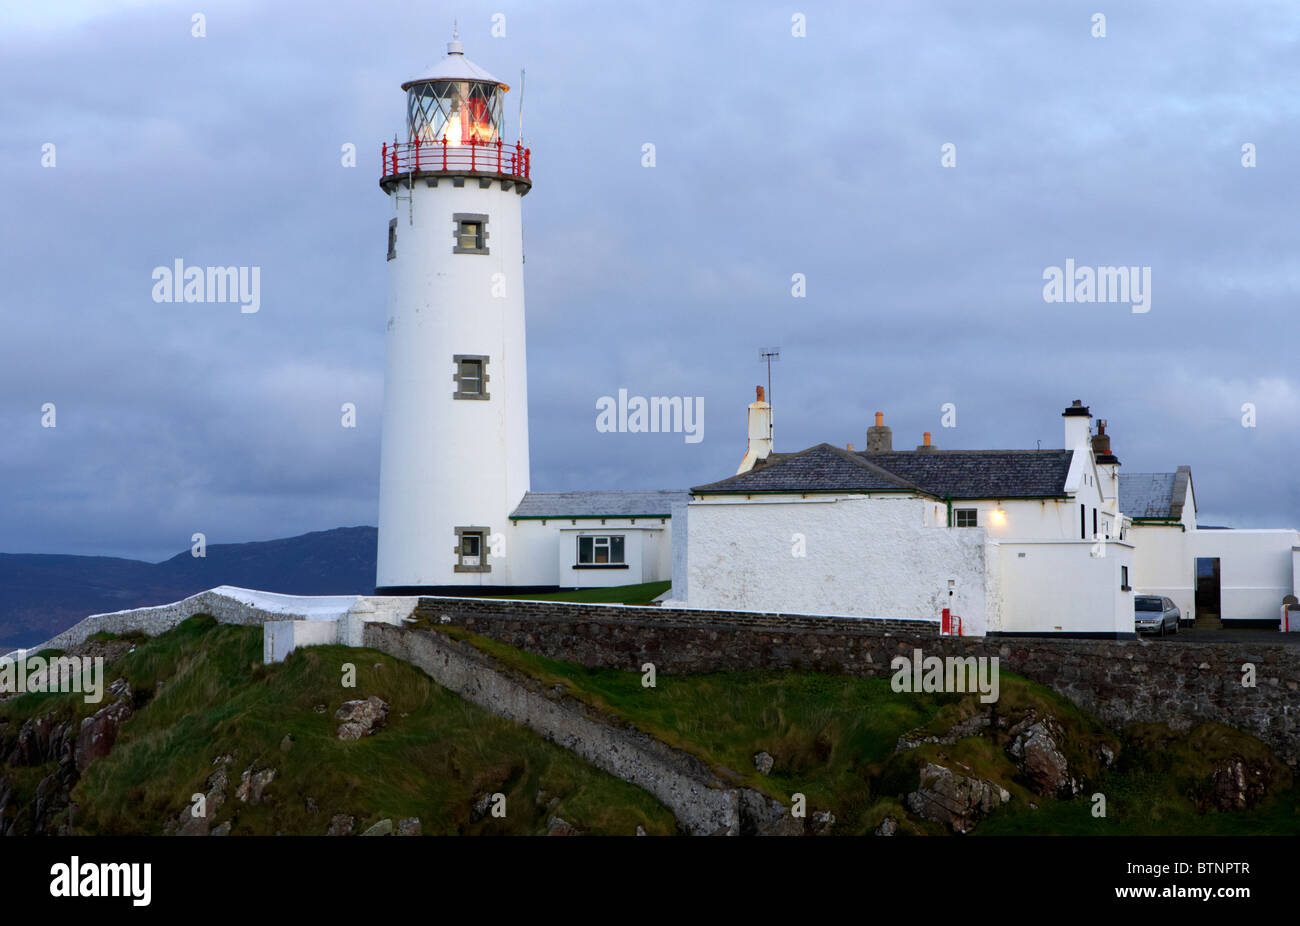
(417, 154)
(473, 151)
(444, 150)
(498, 155)
(528, 161)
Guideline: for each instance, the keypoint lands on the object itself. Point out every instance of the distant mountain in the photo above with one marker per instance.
(42, 595)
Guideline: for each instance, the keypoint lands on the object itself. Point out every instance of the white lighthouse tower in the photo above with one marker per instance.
(455, 433)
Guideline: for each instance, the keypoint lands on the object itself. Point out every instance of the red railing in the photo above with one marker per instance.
(473, 157)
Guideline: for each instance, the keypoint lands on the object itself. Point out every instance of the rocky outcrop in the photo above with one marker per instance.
(1036, 751)
(956, 801)
(361, 718)
(1240, 785)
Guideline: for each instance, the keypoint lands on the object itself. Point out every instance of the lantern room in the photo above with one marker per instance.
(459, 104)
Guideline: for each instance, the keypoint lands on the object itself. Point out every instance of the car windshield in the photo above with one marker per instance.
(1148, 604)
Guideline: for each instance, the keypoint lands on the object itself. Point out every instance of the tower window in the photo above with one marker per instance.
(392, 238)
(470, 376)
(470, 232)
(965, 517)
(471, 549)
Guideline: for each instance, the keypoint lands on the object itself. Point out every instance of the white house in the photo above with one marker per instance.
(1012, 541)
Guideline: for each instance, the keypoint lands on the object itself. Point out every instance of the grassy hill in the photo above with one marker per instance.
(261, 742)
(203, 694)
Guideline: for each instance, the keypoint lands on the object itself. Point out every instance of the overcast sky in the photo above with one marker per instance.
(775, 155)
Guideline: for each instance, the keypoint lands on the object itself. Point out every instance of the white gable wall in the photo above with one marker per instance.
(866, 556)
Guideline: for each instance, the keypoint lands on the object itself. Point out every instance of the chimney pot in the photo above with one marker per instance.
(880, 419)
(927, 438)
(759, 392)
(850, 448)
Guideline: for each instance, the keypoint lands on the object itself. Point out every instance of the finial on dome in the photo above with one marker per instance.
(455, 47)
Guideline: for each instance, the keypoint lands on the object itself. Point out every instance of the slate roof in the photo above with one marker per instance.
(656, 504)
(959, 473)
(982, 473)
(1154, 495)
(818, 469)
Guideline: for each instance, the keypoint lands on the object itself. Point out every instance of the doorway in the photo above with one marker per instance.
(1208, 600)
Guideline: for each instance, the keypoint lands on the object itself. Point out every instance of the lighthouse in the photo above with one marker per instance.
(454, 455)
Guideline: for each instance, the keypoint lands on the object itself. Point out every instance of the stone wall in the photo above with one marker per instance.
(701, 802)
(1175, 682)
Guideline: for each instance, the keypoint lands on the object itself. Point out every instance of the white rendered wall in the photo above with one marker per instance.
(1164, 563)
(1256, 569)
(866, 557)
(447, 462)
(1062, 587)
(681, 586)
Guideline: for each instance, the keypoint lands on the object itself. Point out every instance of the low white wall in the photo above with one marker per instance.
(1256, 569)
(280, 638)
(1064, 587)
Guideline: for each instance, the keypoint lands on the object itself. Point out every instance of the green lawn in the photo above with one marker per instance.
(643, 594)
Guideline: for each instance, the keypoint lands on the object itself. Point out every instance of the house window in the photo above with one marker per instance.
(470, 232)
(600, 551)
(1094, 522)
(1123, 579)
(470, 376)
(1083, 522)
(965, 517)
(471, 549)
(392, 238)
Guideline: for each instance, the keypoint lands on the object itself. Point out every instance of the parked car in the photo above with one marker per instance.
(1154, 614)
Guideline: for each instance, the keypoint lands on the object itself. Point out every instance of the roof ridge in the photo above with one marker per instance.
(856, 459)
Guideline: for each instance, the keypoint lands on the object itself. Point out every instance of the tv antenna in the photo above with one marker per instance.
(767, 355)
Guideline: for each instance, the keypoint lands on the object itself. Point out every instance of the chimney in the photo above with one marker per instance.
(1101, 444)
(925, 446)
(1077, 421)
(879, 438)
(849, 448)
(1107, 465)
(760, 432)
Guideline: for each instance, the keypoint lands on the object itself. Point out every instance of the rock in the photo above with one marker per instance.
(480, 808)
(361, 718)
(761, 815)
(821, 822)
(340, 825)
(1238, 786)
(382, 828)
(311, 806)
(120, 688)
(98, 733)
(408, 826)
(1106, 755)
(1037, 755)
(287, 743)
(558, 827)
(252, 784)
(887, 827)
(956, 801)
(222, 830)
(640, 830)
(763, 762)
(319, 708)
(971, 726)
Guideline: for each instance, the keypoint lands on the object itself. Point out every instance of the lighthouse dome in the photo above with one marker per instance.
(456, 67)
